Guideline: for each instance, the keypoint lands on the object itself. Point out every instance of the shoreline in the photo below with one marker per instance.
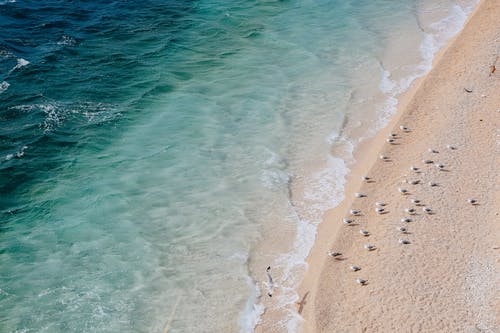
(366, 148)
(366, 159)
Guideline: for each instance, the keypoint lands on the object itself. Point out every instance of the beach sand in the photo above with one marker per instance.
(447, 279)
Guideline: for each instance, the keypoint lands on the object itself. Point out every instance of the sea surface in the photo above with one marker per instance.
(156, 156)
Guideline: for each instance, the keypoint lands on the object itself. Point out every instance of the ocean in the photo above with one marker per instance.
(156, 156)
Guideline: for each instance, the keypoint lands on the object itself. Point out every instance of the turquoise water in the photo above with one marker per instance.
(147, 148)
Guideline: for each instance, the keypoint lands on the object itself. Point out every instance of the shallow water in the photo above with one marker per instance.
(146, 149)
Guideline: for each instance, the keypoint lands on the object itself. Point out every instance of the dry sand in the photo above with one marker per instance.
(448, 278)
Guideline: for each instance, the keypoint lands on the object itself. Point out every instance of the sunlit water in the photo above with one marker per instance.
(146, 148)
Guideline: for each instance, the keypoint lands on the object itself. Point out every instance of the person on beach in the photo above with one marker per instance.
(270, 283)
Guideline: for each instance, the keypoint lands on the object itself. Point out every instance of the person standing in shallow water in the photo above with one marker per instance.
(270, 283)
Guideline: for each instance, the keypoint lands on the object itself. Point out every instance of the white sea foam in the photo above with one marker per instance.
(324, 190)
(273, 174)
(95, 113)
(250, 316)
(53, 114)
(4, 86)
(387, 85)
(20, 63)
(438, 35)
(82, 112)
(274, 179)
(294, 267)
(19, 154)
(66, 41)
(53, 118)
(5, 54)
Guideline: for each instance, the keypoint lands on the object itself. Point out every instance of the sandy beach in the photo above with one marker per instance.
(446, 279)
